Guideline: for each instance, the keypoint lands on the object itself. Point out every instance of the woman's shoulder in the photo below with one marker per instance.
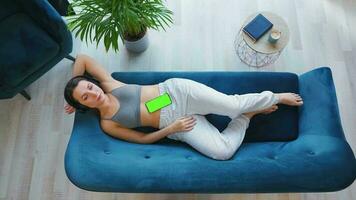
(108, 124)
(108, 86)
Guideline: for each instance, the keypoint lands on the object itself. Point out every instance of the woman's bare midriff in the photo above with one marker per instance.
(149, 92)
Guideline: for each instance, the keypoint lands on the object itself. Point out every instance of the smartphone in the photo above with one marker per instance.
(158, 103)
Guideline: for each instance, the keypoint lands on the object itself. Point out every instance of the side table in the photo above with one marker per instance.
(262, 52)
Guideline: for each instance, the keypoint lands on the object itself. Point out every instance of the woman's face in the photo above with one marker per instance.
(89, 94)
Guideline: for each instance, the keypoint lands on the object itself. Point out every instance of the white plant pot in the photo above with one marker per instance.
(137, 46)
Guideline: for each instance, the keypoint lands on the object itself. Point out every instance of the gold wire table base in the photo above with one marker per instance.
(252, 57)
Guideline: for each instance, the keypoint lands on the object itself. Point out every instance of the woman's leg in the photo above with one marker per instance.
(207, 139)
(203, 100)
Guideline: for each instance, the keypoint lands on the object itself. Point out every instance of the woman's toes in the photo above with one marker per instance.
(291, 99)
(299, 103)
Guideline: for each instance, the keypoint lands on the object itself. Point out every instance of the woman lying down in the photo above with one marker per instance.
(122, 107)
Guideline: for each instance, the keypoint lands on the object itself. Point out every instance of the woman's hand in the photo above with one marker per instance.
(183, 124)
(69, 109)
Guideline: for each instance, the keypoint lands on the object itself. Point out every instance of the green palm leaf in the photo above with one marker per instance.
(108, 20)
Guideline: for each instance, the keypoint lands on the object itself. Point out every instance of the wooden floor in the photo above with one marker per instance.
(34, 134)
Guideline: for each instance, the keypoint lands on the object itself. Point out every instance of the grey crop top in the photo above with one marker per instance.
(129, 112)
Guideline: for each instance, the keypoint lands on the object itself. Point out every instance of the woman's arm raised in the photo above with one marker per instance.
(86, 63)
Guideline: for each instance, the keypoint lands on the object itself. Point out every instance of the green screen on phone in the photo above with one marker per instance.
(158, 102)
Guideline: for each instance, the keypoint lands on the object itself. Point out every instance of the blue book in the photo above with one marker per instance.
(257, 27)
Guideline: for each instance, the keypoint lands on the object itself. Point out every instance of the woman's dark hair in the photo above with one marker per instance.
(71, 85)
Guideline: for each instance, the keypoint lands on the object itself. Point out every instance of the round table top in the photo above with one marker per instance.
(262, 45)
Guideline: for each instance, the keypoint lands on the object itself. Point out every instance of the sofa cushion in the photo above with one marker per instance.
(24, 48)
(281, 125)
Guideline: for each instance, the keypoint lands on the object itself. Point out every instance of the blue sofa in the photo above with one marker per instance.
(301, 150)
(33, 39)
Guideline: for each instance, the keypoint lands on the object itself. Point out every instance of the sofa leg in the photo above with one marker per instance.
(25, 94)
(70, 58)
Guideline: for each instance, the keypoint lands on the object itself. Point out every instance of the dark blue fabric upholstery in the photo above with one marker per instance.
(319, 160)
(19, 45)
(33, 39)
(7, 9)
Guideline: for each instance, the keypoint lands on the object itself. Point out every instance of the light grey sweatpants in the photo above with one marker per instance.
(193, 98)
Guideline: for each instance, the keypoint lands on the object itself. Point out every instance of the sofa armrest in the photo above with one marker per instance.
(42, 12)
(320, 113)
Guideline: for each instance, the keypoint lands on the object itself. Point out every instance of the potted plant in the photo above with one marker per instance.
(111, 19)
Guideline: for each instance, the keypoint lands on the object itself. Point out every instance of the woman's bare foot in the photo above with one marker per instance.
(269, 110)
(265, 111)
(290, 99)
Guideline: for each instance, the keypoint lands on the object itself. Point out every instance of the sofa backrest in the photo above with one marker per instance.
(281, 125)
(8, 8)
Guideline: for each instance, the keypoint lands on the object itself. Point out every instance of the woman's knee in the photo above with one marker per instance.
(223, 153)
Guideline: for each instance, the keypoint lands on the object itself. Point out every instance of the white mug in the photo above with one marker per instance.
(274, 36)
